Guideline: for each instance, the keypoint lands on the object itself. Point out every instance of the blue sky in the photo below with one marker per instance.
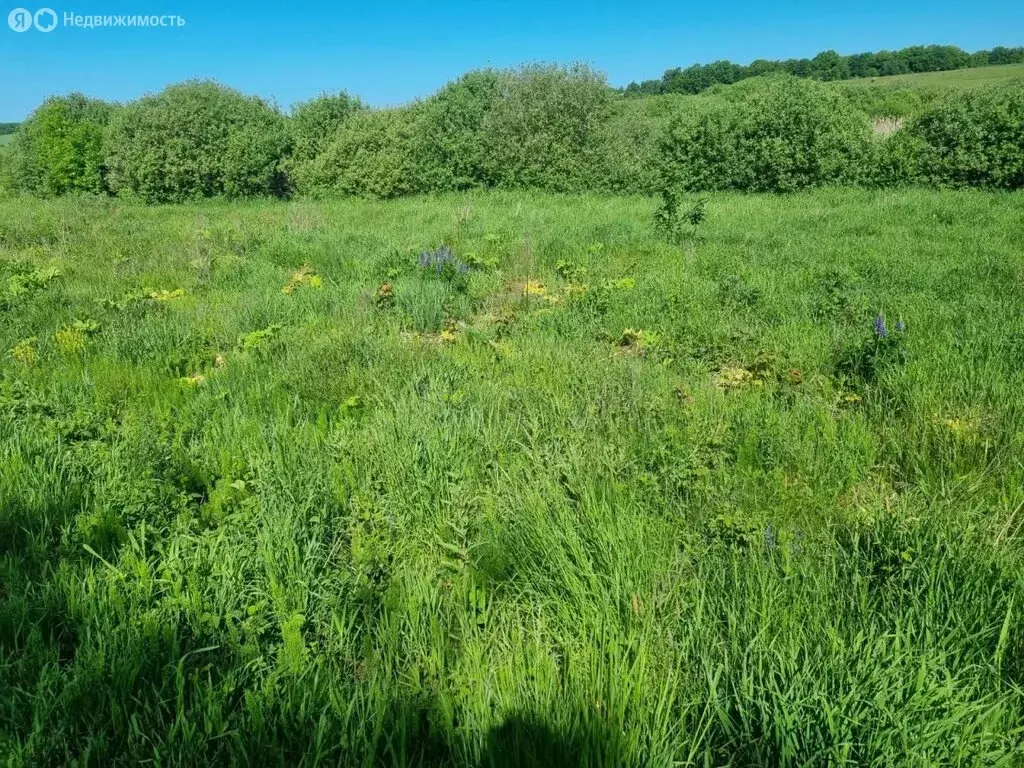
(390, 53)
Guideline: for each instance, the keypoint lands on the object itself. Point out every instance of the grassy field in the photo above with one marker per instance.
(957, 78)
(6, 139)
(271, 491)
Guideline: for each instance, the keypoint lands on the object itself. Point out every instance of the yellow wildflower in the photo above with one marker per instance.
(534, 288)
(25, 352)
(733, 378)
(303, 276)
(177, 293)
(70, 340)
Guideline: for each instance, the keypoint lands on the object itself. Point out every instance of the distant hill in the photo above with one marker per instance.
(830, 65)
(959, 78)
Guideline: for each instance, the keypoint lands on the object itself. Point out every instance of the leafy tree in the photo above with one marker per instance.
(829, 65)
(760, 67)
(1002, 55)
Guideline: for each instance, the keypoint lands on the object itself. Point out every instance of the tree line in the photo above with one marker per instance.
(560, 129)
(828, 65)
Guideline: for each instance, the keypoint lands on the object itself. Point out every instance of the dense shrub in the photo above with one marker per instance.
(314, 124)
(373, 156)
(629, 141)
(774, 134)
(60, 147)
(197, 139)
(542, 130)
(627, 160)
(967, 139)
(450, 144)
(542, 127)
(898, 100)
(6, 177)
(535, 127)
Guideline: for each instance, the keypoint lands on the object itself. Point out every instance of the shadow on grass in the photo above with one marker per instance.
(526, 741)
(522, 741)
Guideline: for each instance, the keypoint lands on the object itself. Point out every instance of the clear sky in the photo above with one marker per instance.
(392, 52)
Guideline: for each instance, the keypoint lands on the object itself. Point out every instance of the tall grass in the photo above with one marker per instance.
(601, 500)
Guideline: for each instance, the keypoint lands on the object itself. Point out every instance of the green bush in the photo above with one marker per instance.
(450, 140)
(197, 139)
(314, 124)
(60, 147)
(373, 156)
(773, 134)
(6, 177)
(891, 100)
(541, 127)
(536, 127)
(542, 130)
(627, 161)
(629, 142)
(967, 139)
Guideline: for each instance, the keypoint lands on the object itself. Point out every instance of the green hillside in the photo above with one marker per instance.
(959, 78)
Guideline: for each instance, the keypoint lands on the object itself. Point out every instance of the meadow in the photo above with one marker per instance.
(512, 478)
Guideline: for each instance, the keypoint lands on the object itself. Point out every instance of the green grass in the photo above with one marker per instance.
(957, 78)
(603, 500)
(6, 139)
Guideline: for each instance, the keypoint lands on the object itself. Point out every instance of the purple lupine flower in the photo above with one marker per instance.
(880, 329)
(901, 326)
(439, 259)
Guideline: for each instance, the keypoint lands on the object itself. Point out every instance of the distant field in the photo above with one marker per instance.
(6, 139)
(959, 78)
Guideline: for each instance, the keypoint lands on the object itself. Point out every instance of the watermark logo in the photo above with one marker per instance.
(19, 20)
(22, 19)
(46, 20)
